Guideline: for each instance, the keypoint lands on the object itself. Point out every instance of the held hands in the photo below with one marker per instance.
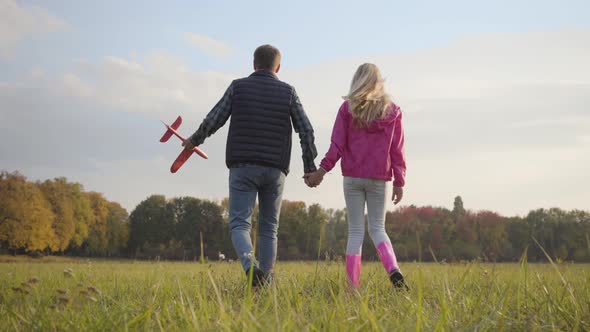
(398, 193)
(314, 179)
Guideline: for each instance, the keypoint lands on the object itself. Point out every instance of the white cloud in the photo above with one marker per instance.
(37, 72)
(208, 45)
(500, 119)
(19, 22)
(160, 85)
(95, 112)
(497, 118)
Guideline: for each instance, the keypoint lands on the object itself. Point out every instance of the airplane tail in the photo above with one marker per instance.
(168, 132)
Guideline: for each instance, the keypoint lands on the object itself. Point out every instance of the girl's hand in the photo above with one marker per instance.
(398, 193)
(314, 179)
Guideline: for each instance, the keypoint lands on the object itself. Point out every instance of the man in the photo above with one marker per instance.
(263, 112)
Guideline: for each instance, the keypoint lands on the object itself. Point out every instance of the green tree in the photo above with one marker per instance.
(336, 233)
(292, 236)
(150, 226)
(519, 236)
(117, 229)
(458, 209)
(194, 217)
(315, 223)
(493, 238)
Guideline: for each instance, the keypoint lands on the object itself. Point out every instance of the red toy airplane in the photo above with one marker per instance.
(185, 154)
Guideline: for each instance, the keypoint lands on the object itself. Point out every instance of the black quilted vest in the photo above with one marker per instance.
(260, 127)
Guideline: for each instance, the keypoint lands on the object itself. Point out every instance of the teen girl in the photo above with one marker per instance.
(369, 138)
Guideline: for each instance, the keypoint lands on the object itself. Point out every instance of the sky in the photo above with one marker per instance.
(495, 94)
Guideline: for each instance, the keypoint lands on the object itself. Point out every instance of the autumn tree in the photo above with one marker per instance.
(493, 238)
(58, 194)
(25, 215)
(97, 241)
(56, 216)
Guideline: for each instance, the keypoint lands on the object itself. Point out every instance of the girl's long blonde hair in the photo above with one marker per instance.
(367, 98)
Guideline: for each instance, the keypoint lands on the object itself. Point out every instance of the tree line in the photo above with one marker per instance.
(59, 217)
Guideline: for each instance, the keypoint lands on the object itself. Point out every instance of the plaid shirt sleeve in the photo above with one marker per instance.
(303, 127)
(215, 119)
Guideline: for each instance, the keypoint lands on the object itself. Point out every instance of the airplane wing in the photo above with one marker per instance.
(200, 153)
(182, 157)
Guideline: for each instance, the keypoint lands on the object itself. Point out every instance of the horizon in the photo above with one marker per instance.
(396, 208)
(494, 95)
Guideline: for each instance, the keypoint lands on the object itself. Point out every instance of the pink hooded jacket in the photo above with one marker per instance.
(376, 152)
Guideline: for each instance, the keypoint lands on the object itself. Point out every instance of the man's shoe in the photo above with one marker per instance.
(258, 277)
(397, 279)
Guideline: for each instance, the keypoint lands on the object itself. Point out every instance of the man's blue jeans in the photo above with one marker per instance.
(245, 182)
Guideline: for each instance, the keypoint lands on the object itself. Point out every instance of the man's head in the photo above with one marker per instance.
(267, 57)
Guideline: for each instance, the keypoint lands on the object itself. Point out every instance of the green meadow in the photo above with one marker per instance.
(100, 295)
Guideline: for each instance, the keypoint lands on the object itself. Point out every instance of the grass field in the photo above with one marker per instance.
(91, 295)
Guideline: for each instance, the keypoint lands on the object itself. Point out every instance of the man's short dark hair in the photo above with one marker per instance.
(267, 57)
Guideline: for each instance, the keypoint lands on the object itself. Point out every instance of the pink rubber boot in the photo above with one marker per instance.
(353, 269)
(387, 256)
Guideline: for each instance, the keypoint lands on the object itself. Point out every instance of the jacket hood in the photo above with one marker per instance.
(386, 122)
